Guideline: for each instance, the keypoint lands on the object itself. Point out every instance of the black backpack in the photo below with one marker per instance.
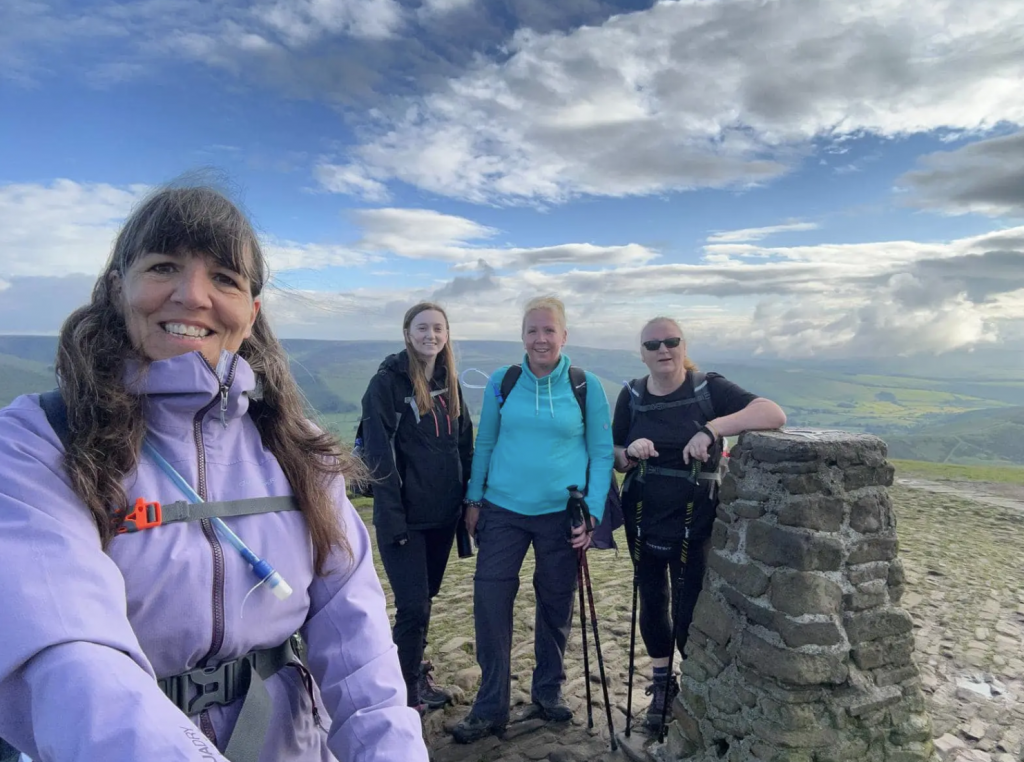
(365, 489)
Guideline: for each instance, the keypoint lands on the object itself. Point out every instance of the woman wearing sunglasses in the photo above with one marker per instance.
(668, 431)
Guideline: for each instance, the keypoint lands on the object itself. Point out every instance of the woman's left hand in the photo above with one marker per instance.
(580, 537)
(697, 448)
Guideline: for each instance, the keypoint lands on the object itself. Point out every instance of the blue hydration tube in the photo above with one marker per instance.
(262, 569)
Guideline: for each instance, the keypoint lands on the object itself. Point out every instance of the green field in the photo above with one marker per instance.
(954, 472)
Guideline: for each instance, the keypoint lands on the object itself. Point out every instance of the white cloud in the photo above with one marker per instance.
(425, 234)
(700, 94)
(986, 177)
(300, 22)
(350, 180)
(757, 234)
(64, 227)
(283, 255)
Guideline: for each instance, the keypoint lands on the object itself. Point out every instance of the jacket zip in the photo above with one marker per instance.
(217, 640)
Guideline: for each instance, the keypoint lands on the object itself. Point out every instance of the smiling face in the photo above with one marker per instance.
(664, 361)
(178, 303)
(543, 338)
(427, 334)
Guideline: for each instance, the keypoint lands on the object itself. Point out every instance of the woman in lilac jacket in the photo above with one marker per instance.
(131, 633)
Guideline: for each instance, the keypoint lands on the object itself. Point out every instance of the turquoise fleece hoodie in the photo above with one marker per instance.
(533, 447)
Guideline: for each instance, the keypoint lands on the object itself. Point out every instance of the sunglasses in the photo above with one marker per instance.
(653, 344)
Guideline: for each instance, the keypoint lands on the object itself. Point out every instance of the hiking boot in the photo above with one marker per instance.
(473, 728)
(430, 694)
(559, 711)
(664, 690)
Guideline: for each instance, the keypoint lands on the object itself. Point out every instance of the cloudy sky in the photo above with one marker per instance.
(794, 178)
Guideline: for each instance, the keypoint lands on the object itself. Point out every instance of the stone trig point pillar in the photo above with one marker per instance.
(799, 651)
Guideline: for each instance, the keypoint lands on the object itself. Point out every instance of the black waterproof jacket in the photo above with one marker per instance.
(421, 461)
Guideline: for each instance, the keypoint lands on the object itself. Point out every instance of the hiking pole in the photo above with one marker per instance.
(585, 566)
(583, 632)
(677, 593)
(637, 545)
(572, 509)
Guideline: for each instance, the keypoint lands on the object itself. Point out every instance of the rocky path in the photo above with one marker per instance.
(965, 590)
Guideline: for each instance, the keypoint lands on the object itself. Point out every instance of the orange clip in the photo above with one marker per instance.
(146, 515)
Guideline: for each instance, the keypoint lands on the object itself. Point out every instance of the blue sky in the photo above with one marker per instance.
(787, 179)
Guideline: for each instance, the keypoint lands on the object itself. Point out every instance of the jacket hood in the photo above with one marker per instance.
(561, 369)
(186, 383)
(399, 363)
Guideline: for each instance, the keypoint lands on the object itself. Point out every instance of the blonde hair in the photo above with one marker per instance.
(552, 304)
(417, 368)
(687, 362)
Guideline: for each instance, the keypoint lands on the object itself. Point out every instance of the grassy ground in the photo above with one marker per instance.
(965, 591)
(952, 472)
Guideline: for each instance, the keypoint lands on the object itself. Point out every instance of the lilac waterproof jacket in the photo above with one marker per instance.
(85, 634)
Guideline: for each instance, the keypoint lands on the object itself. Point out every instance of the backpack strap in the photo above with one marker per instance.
(411, 402)
(507, 382)
(702, 394)
(578, 382)
(149, 514)
(56, 411)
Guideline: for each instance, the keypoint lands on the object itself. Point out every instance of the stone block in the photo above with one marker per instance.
(806, 739)
(812, 633)
(724, 699)
(864, 626)
(723, 538)
(896, 576)
(791, 716)
(915, 751)
(807, 467)
(757, 613)
(869, 513)
(793, 667)
(778, 449)
(862, 573)
(692, 701)
(768, 686)
(803, 551)
(797, 593)
(916, 729)
(849, 747)
(714, 618)
(723, 514)
(895, 651)
(858, 477)
(867, 596)
(747, 509)
(873, 549)
(803, 484)
(896, 675)
(818, 512)
(863, 704)
(896, 594)
(745, 577)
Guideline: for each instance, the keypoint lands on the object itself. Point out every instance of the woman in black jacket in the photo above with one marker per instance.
(418, 441)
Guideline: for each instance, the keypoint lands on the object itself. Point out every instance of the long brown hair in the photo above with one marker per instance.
(106, 420)
(418, 369)
(689, 364)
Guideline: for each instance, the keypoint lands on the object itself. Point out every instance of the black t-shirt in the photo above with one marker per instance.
(665, 497)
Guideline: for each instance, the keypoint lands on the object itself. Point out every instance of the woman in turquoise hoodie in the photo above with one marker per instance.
(529, 448)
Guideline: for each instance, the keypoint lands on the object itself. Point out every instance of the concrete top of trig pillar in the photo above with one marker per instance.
(845, 447)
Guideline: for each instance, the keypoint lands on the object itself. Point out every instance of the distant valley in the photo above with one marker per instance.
(973, 419)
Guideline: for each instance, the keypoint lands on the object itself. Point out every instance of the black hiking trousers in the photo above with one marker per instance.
(654, 584)
(415, 571)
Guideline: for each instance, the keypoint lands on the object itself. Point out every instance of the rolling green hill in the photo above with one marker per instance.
(936, 418)
(977, 437)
